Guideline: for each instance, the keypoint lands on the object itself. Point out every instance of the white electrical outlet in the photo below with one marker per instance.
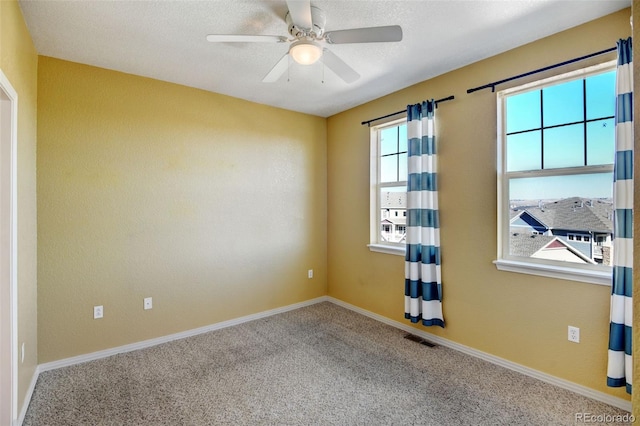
(97, 312)
(22, 354)
(574, 334)
(148, 303)
(310, 273)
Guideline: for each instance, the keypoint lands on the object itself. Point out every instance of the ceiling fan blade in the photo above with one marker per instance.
(277, 70)
(300, 12)
(338, 66)
(240, 38)
(365, 35)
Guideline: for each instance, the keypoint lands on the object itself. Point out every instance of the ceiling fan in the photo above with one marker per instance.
(306, 26)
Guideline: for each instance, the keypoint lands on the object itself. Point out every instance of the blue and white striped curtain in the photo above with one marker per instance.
(423, 286)
(620, 362)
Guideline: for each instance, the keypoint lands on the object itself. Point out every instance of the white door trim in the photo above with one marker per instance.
(8, 250)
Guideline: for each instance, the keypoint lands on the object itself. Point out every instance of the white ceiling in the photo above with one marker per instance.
(165, 40)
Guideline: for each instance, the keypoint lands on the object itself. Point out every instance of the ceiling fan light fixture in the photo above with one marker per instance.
(305, 52)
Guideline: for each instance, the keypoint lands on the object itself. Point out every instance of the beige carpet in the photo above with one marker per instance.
(319, 365)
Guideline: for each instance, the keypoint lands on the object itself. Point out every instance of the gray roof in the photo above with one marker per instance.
(527, 244)
(575, 214)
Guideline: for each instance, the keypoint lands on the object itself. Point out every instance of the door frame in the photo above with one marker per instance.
(9, 252)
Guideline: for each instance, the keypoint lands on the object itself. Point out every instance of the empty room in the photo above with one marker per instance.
(317, 212)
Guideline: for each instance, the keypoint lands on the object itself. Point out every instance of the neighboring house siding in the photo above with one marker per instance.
(583, 247)
(563, 254)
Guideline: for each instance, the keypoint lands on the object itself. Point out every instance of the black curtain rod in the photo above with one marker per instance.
(449, 98)
(570, 61)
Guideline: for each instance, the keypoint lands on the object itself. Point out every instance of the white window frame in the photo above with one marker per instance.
(593, 274)
(375, 244)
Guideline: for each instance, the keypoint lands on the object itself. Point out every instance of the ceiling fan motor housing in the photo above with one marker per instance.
(318, 19)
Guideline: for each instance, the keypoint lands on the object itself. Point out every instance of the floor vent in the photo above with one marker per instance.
(420, 340)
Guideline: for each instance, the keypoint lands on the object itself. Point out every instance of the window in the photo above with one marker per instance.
(578, 237)
(388, 187)
(556, 146)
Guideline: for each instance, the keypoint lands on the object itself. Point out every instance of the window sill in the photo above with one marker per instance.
(551, 271)
(381, 248)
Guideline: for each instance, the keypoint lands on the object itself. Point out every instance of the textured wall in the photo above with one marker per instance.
(522, 318)
(19, 61)
(213, 206)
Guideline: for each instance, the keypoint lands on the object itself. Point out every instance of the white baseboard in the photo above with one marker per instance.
(565, 384)
(164, 339)
(527, 371)
(27, 398)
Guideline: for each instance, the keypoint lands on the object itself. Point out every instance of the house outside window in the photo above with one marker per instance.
(388, 198)
(556, 146)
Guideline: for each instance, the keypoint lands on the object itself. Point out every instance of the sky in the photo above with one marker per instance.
(555, 187)
(393, 149)
(531, 148)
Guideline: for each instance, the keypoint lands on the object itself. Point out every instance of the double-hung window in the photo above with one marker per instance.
(388, 200)
(556, 147)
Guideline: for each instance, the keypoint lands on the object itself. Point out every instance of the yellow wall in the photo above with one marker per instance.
(213, 206)
(518, 317)
(18, 61)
